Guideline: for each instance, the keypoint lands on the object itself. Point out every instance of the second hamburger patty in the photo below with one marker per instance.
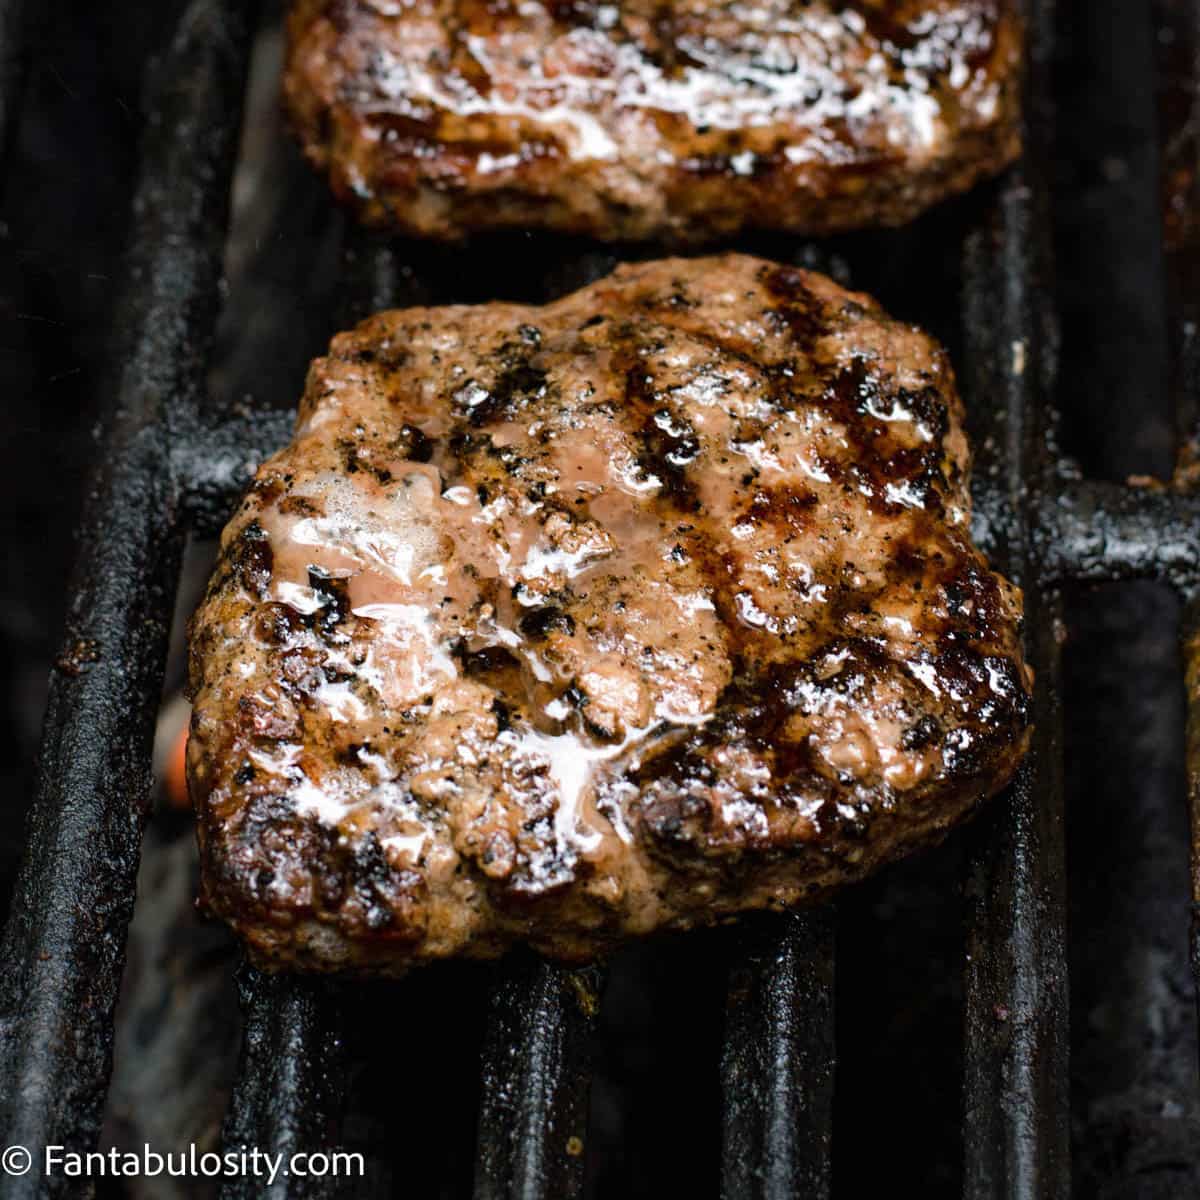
(565, 624)
(681, 120)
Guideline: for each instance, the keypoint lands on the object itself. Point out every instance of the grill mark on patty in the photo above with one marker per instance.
(797, 307)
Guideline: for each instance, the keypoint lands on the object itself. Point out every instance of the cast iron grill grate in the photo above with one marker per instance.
(172, 464)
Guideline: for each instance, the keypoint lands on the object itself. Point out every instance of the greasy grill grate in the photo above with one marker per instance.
(169, 463)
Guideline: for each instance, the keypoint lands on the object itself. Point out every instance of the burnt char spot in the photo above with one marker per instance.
(1000, 699)
(510, 459)
(518, 383)
(681, 788)
(263, 812)
(280, 623)
(685, 761)
(298, 506)
(268, 489)
(923, 733)
(357, 456)
(373, 883)
(908, 563)
(667, 447)
(852, 389)
(973, 602)
(852, 397)
(778, 693)
(785, 508)
(667, 438)
(348, 449)
(491, 660)
(335, 600)
(753, 708)
(895, 32)
(498, 669)
(735, 165)
(787, 283)
(574, 13)
(351, 878)
(403, 135)
(929, 408)
(987, 688)
(667, 51)
(251, 559)
(799, 309)
(348, 754)
(414, 445)
(856, 390)
(540, 622)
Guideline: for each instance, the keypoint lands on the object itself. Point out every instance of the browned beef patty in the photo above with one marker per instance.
(682, 120)
(562, 625)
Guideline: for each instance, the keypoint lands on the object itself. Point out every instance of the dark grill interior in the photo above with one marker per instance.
(940, 1030)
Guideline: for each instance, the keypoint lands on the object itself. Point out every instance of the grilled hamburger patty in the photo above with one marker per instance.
(688, 119)
(561, 625)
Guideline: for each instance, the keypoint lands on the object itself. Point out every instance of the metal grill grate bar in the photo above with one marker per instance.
(1015, 1086)
(1096, 532)
(778, 1062)
(289, 1092)
(536, 1072)
(63, 949)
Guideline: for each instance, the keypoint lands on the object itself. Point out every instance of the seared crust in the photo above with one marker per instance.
(561, 625)
(684, 120)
